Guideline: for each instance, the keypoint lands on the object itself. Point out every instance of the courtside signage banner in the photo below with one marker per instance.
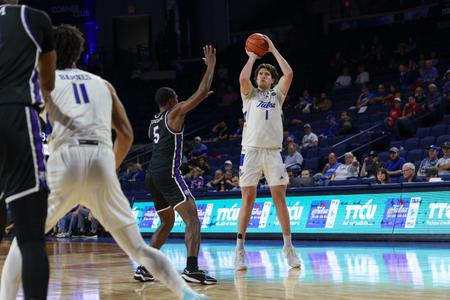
(385, 213)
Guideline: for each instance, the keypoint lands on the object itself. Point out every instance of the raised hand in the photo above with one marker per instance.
(269, 41)
(252, 55)
(210, 55)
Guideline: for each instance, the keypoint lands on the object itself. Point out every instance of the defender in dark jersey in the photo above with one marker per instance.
(27, 75)
(164, 180)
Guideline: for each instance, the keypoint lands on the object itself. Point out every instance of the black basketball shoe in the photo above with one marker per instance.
(198, 276)
(143, 275)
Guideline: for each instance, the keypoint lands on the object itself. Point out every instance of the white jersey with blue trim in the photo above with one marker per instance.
(263, 127)
(81, 108)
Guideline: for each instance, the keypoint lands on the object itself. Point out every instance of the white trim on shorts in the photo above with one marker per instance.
(164, 209)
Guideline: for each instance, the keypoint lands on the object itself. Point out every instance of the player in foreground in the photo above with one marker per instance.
(261, 146)
(164, 180)
(83, 161)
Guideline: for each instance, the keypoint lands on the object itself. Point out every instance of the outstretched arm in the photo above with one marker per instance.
(285, 80)
(177, 114)
(246, 73)
(122, 127)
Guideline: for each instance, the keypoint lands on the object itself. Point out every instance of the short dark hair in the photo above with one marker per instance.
(273, 71)
(69, 43)
(163, 95)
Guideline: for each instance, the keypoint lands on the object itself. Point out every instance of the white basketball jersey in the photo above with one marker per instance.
(82, 110)
(263, 127)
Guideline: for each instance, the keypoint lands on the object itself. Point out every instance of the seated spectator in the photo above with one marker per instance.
(432, 175)
(430, 161)
(349, 169)
(235, 183)
(345, 124)
(305, 179)
(395, 163)
(323, 104)
(433, 106)
(409, 172)
(304, 101)
(379, 96)
(203, 165)
(195, 178)
(406, 77)
(240, 129)
(392, 95)
(228, 166)
(290, 141)
(395, 112)
(198, 149)
(220, 131)
(420, 95)
(226, 184)
(405, 126)
(344, 80)
(68, 224)
(371, 165)
(383, 176)
(214, 183)
(310, 140)
(330, 168)
(133, 173)
(288, 137)
(363, 99)
(443, 163)
(332, 127)
(363, 76)
(430, 74)
(293, 160)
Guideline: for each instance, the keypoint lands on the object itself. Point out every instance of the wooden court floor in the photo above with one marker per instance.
(100, 270)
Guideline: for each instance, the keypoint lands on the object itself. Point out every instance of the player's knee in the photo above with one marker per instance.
(193, 224)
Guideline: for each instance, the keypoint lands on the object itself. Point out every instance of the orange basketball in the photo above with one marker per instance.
(257, 44)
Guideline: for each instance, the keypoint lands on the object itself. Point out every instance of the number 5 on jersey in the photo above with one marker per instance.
(155, 134)
(76, 91)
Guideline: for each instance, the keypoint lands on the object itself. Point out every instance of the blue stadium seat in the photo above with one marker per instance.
(339, 150)
(438, 130)
(411, 143)
(312, 164)
(423, 132)
(442, 139)
(396, 179)
(324, 151)
(383, 156)
(414, 155)
(426, 142)
(398, 144)
(312, 152)
(355, 181)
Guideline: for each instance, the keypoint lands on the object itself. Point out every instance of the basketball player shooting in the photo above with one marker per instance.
(82, 165)
(261, 144)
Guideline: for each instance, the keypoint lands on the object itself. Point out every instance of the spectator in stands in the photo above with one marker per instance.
(323, 104)
(371, 165)
(345, 124)
(220, 131)
(203, 165)
(235, 183)
(133, 173)
(433, 106)
(395, 163)
(226, 184)
(405, 126)
(310, 140)
(393, 93)
(195, 178)
(344, 80)
(432, 175)
(383, 176)
(406, 77)
(240, 129)
(395, 112)
(330, 168)
(198, 149)
(430, 74)
(293, 160)
(443, 163)
(363, 99)
(214, 183)
(347, 170)
(409, 172)
(304, 180)
(289, 141)
(430, 161)
(363, 76)
(332, 127)
(304, 101)
(379, 96)
(420, 95)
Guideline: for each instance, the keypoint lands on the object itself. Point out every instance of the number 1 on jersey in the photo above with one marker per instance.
(267, 115)
(82, 88)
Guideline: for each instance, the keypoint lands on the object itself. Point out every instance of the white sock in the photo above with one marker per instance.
(287, 239)
(240, 242)
(12, 273)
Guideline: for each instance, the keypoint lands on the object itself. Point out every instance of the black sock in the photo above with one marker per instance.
(192, 263)
(239, 236)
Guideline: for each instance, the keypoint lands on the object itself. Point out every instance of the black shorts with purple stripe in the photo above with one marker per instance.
(22, 165)
(167, 190)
